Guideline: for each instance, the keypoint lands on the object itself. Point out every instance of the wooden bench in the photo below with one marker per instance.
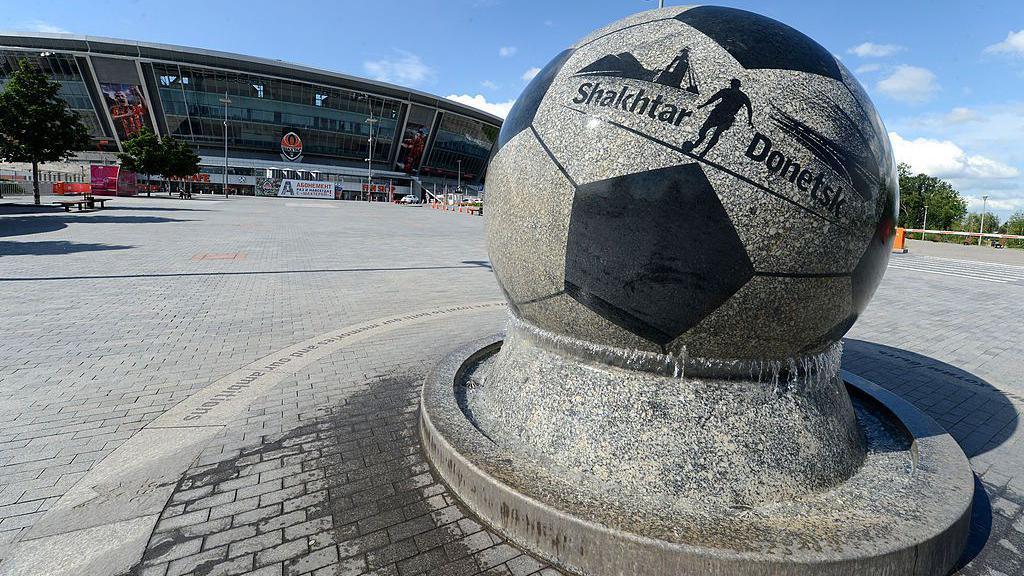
(82, 204)
(67, 204)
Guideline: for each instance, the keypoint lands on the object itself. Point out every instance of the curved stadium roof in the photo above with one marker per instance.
(101, 46)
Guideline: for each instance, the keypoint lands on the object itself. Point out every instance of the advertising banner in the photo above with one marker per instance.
(378, 187)
(414, 139)
(104, 180)
(127, 108)
(306, 189)
(112, 181)
(267, 186)
(126, 183)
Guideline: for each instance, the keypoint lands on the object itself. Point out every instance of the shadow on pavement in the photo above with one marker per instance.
(978, 415)
(16, 208)
(981, 524)
(22, 226)
(48, 247)
(155, 209)
(243, 273)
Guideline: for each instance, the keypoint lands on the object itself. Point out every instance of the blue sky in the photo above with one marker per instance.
(947, 77)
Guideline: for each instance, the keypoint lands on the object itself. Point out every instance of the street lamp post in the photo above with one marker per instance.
(459, 181)
(225, 100)
(984, 205)
(925, 225)
(920, 195)
(369, 159)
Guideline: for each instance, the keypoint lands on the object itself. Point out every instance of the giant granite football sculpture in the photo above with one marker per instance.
(711, 182)
(687, 210)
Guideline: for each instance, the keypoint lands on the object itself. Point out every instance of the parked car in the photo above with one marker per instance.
(409, 199)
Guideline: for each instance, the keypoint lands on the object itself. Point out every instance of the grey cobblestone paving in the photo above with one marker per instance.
(338, 482)
(955, 348)
(108, 322)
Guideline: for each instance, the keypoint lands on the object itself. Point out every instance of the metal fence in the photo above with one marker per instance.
(11, 189)
(44, 175)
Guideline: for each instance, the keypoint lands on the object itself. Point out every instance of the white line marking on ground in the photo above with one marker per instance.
(959, 275)
(309, 205)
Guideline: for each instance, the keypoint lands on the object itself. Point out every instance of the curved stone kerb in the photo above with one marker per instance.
(535, 507)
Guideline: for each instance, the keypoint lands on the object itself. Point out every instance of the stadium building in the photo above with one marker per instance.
(284, 121)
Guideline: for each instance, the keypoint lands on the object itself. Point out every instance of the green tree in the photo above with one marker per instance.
(143, 154)
(181, 160)
(1015, 226)
(946, 208)
(973, 223)
(36, 124)
(168, 158)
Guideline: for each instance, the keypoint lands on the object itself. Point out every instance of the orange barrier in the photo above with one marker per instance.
(71, 188)
(898, 246)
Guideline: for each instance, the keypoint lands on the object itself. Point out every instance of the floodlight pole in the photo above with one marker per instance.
(984, 204)
(226, 101)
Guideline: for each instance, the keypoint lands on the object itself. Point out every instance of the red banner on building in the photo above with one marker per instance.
(112, 181)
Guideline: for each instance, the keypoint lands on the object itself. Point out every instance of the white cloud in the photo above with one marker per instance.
(549, 23)
(961, 114)
(529, 74)
(480, 102)
(507, 51)
(910, 84)
(489, 84)
(872, 50)
(991, 131)
(944, 159)
(40, 26)
(1014, 44)
(865, 68)
(406, 69)
(1005, 205)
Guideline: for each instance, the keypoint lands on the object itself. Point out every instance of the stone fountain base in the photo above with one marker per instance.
(904, 508)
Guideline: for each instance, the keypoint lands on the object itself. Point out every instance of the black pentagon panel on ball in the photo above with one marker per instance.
(654, 252)
(757, 41)
(834, 334)
(525, 108)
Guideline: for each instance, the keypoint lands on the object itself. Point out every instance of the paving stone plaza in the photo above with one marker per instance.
(290, 338)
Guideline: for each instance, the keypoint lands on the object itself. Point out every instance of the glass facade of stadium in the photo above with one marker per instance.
(121, 87)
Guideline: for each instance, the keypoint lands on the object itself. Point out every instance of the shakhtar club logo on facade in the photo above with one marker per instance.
(291, 147)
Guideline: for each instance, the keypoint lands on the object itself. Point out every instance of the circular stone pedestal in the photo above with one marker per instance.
(665, 430)
(904, 509)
